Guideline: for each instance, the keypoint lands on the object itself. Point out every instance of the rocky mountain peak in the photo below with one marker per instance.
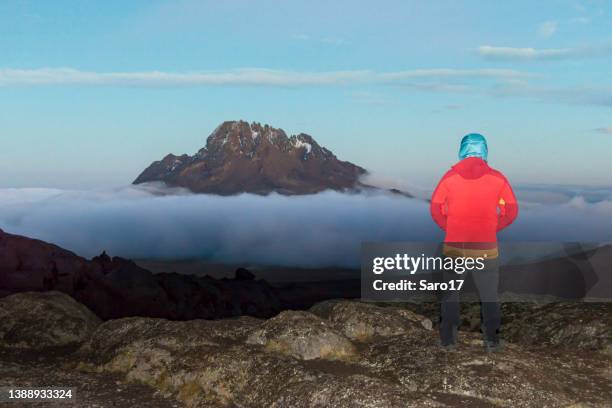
(251, 157)
(252, 139)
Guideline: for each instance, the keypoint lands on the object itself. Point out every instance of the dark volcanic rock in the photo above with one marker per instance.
(244, 274)
(32, 265)
(117, 287)
(240, 157)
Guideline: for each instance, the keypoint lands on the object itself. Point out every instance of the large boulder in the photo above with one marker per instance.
(134, 335)
(33, 320)
(365, 321)
(302, 335)
(145, 348)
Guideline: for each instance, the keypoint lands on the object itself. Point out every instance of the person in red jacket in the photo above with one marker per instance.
(471, 203)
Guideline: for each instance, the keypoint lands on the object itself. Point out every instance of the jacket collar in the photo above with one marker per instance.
(472, 167)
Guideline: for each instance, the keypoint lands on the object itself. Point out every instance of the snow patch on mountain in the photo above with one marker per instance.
(298, 144)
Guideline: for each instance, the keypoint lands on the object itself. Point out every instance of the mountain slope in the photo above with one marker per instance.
(241, 157)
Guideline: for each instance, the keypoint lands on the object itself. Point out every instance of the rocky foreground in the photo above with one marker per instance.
(338, 354)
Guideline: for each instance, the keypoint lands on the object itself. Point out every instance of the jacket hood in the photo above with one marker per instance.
(472, 168)
(473, 145)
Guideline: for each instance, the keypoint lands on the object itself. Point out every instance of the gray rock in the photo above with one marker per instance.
(365, 321)
(213, 363)
(512, 378)
(302, 335)
(298, 359)
(33, 320)
(325, 309)
(204, 363)
(138, 336)
(578, 326)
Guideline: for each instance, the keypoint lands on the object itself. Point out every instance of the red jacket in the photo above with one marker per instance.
(472, 202)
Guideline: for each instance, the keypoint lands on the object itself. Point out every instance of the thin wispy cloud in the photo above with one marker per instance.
(370, 98)
(449, 107)
(487, 81)
(527, 54)
(547, 29)
(324, 40)
(238, 77)
(604, 130)
(578, 95)
(520, 88)
(581, 20)
(456, 73)
(262, 77)
(333, 41)
(513, 53)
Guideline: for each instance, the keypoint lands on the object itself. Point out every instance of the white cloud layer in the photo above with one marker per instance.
(495, 82)
(239, 77)
(526, 54)
(580, 95)
(314, 230)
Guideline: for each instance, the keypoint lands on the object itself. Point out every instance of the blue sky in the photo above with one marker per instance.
(92, 92)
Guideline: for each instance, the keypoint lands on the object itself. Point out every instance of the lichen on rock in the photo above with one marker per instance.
(39, 320)
(307, 360)
(302, 335)
(579, 326)
(364, 321)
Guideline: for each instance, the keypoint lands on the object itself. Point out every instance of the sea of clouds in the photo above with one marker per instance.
(324, 229)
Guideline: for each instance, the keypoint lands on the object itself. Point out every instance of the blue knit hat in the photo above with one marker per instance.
(473, 145)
